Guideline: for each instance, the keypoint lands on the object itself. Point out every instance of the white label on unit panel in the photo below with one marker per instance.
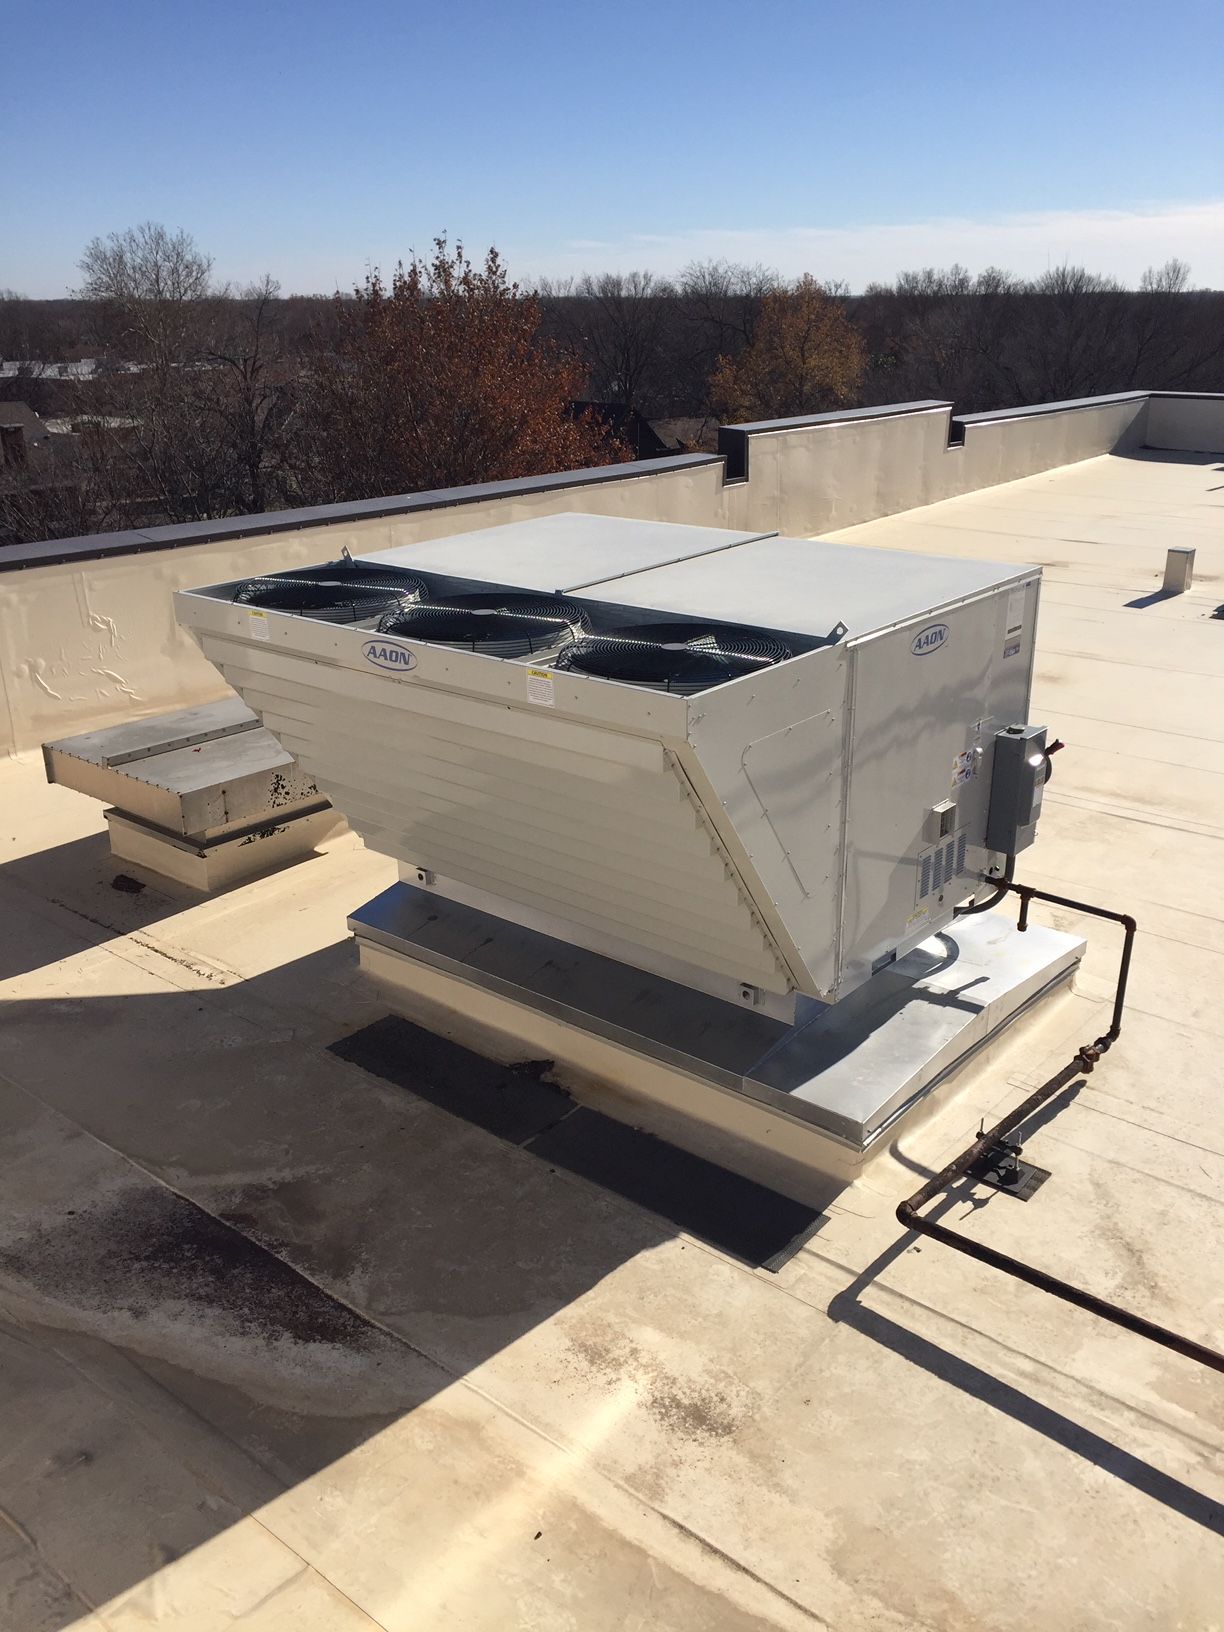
(964, 767)
(540, 687)
(1015, 609)
(258, 625)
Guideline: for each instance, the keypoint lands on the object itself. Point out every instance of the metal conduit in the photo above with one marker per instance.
(909, 1212)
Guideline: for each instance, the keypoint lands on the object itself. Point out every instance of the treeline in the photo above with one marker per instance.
(985, 341)
(654, 344)
(211, 401)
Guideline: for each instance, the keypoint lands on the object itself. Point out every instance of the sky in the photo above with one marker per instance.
(851, 140)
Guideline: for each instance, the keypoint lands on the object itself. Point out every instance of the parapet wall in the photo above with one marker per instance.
(1186, 424)
(87, 634)
(811, 476)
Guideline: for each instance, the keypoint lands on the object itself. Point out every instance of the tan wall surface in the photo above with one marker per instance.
(1004, 450)
(1187, 424)
(820, 478)
(815, 479)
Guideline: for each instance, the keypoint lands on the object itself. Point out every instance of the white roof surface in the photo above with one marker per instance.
(431, 1384)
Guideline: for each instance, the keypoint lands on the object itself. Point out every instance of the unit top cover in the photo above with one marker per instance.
(808, 585)
(563, 552)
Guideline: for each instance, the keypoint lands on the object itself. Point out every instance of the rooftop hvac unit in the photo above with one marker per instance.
(753, 767)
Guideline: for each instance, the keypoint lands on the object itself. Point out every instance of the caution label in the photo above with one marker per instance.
(540, 687)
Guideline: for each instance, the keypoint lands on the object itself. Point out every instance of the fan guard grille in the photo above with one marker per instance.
(678, 657)
(489, 621)
(342, 592)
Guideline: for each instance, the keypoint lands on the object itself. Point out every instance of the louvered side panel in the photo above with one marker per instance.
(591, 827)
(941, 865)
(736, 959)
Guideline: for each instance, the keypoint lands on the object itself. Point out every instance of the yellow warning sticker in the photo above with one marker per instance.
(540, 687)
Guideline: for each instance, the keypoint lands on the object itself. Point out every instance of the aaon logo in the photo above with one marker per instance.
(385, 656)
(930, 640)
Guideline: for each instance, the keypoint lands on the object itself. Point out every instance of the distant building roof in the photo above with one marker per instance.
(83, 368)
(626, 423)
(688, 431)
(21, 416)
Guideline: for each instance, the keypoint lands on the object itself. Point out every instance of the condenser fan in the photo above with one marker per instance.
(677, 657)
(490, 621)
(341, 592)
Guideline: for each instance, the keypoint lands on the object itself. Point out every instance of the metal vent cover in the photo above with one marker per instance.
(939, 865)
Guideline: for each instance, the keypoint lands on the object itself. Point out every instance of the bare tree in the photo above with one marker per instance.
(1068, 326)
(15, 312)
(1173, 278)
(63, 489)
(718, 309)
(725, 297)
(210, 437)
(621, 328)
(152, 289)
(198, 428)
(1174, 337)
(29, 332)
(253, 397)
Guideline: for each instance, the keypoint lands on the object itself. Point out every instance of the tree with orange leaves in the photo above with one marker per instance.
(442, 378)
(805, 356)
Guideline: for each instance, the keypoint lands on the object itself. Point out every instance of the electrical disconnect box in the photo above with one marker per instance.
(1021, 766)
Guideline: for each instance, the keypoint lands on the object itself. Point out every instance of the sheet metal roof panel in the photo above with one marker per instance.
(809, 585)
(561, 552)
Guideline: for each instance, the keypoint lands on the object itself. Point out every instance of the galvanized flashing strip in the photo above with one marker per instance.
(850, 1070)
(685, 1029)
(1071, 405)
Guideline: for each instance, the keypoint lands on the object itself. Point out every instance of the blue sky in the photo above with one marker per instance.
(850, 140)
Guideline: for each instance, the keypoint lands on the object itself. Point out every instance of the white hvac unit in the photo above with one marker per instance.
(756, 768)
